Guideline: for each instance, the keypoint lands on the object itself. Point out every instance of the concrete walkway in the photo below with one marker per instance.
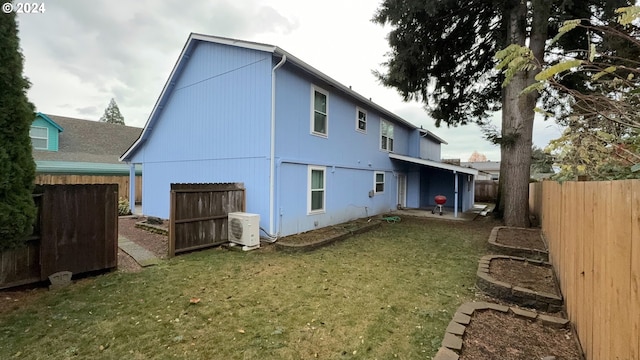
(141, 255)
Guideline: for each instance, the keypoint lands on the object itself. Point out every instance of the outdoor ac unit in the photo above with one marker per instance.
(244, 229)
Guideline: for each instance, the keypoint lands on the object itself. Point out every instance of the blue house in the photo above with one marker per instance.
(310, 151)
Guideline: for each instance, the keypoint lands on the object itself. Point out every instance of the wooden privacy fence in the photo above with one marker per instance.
(122, 181)
(593, 231)
(76, 230)
(198, 214)
(486, 191)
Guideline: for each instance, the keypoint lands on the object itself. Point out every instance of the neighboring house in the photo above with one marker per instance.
(65, 147)
(310, 151)
(487, 170)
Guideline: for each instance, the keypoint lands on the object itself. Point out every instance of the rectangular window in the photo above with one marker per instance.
(319, 111)
(361, 120)
(316, 189)
(39, 137)
(386, 135)
(378, 182)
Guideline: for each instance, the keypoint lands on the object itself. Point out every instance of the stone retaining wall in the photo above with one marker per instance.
(452, 342)
(526, 297)
(510, 250)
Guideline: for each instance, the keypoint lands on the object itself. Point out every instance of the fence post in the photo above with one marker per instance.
(172, 224)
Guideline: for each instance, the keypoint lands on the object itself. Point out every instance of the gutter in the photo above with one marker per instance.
(272, 164)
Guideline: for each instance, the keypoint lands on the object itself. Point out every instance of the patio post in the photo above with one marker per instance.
(455, 196)
(132, 187)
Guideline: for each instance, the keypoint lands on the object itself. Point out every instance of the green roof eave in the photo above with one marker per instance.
(83, 168)
(48, 119)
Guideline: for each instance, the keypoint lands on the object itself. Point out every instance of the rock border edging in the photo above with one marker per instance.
(511, 250)
(452, 342)
(327, 241)
(539, 300)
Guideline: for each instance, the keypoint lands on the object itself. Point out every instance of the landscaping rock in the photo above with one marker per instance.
(60, 279)
(446, 354)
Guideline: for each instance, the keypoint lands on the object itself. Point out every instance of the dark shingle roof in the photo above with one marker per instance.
(89, 141)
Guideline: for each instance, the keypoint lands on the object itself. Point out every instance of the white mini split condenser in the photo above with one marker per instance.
(244, 229)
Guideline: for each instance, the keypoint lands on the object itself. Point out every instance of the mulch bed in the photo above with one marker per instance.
(524, 238)
(500, 336)
(319, 235)
(524, 274)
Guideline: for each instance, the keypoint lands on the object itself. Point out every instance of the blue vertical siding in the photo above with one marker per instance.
(429, 149)
(213, 128)
(351, 157)
(53, 134)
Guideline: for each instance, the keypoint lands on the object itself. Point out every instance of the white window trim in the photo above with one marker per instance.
(382, 121)
(375, 182)
(358, 111)
(324, 190)
(325, 93)
(46, 138)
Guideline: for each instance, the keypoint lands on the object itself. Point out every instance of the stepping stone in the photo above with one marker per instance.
(141, 255)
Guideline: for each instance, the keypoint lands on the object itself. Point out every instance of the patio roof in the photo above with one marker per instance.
(435, 164)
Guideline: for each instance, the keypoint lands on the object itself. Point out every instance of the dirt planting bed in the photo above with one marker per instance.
(488, 331)
(324, 236)
(521, 242)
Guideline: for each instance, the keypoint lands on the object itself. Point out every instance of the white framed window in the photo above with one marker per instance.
(39, 137)
(317, 191)
(361, 120)
(386, 135)
(378, 182)
(319, 112)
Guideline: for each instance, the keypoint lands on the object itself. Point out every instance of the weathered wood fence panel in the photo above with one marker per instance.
(198, 214)
(593, 232)
(486, 191)
(122, 181)
(76, 230)
(80, 225)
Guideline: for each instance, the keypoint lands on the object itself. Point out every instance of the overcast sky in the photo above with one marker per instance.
(79, 54)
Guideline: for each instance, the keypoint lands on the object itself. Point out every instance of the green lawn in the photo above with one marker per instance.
(385, 294)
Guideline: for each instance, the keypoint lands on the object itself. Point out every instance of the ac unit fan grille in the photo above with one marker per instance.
(236, 228)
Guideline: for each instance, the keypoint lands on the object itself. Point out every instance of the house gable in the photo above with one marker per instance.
(44, 133)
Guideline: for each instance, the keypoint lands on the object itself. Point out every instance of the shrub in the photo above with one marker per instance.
(123, 207)
(17, 168)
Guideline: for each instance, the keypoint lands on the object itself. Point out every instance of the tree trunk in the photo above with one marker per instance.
(518, 115)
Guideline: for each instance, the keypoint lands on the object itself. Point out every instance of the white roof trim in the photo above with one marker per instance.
(429, 133)
(435, 164)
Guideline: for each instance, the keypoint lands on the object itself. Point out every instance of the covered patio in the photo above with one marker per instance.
(427, 178)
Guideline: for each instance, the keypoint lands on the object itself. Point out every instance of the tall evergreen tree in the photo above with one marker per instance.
(17, 168)
(442, 54)
(112, 114)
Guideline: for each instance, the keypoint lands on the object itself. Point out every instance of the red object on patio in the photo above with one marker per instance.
(440, 200)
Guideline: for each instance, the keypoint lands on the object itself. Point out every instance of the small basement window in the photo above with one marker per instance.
(378, 182)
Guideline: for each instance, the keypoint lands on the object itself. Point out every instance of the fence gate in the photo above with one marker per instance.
(198, 214)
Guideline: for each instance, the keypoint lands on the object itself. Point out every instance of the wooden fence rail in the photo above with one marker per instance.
(593, 232)
(76, 230)
(122, 181)
(198, 214)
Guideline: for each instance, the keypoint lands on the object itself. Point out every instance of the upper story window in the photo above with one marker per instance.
(361, 120)
(319, 111)
(386, 135)
(39, 137)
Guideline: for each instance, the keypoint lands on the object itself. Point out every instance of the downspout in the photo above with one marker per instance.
(272, 164)
(132, 187)
(455, 196)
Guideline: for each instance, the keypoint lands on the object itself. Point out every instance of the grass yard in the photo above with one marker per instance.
(385, 294)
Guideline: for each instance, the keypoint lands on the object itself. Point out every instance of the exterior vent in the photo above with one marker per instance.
(244, 229)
